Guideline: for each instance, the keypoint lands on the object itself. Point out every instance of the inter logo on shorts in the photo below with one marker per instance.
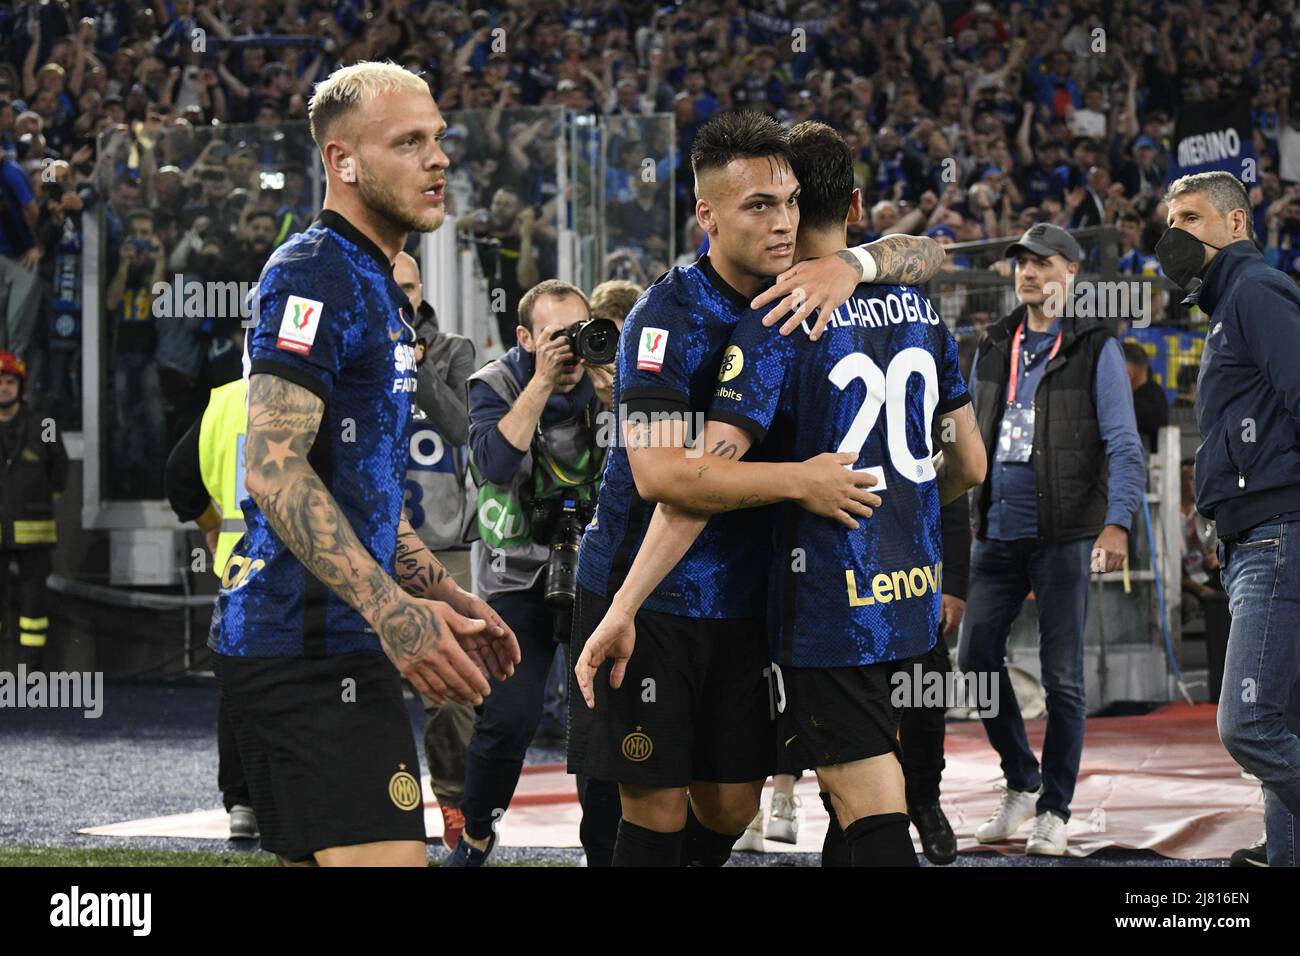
(637, 747)
(403, 789)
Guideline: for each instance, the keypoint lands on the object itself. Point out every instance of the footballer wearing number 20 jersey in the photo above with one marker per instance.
(872, 384)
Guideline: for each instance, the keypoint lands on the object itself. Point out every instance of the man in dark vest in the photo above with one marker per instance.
(1066, 474)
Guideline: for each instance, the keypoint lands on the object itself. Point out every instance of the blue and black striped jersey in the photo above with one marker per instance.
(669, 354)
(872, 384)
(331, 319)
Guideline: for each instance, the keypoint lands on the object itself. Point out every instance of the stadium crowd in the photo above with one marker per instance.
(183, 125)
(967, 123)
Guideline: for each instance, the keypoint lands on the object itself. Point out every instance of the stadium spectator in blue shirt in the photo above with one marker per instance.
(1054, 88)
(20, 255)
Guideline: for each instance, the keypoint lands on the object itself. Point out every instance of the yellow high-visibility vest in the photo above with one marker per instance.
(221, 462)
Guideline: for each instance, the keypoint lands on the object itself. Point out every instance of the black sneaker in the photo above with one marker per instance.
(937, 839)
(1254, 855)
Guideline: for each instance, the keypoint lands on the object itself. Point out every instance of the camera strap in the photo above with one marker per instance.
(569, 451)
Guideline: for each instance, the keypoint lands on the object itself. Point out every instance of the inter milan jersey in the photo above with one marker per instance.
(330, 319)
(668, 360)
(871, 385)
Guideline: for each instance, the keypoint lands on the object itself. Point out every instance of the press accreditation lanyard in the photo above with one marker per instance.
(1015, 360)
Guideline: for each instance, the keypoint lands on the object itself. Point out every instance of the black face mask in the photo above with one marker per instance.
(1182, 256)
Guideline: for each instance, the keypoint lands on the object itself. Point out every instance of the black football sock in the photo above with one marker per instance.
(881, 840)
(601, 811)
(835, 849)
(702, 846)
(637, 846)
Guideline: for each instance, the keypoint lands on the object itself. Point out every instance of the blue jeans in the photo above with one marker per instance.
(1002, 573)
(1259, 705)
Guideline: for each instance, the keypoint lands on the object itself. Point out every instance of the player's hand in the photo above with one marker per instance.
(602, 379)
(613, 639)
(953, 609)
(496, 649)
(831, 488)
(423, 640)
(552, 355)
(821, 285)
(1110, 549)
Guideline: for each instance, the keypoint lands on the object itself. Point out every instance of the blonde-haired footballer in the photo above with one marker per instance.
(334, 588)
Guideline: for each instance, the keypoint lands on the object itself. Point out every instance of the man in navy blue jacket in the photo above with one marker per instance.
(1248, 479)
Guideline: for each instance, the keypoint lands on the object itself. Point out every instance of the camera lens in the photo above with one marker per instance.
(562, 575)
(571, 517)
(596, 340)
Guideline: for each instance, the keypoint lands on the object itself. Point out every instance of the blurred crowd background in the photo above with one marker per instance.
(181, 125)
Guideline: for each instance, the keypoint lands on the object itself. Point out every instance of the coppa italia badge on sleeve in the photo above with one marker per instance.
(650, 350)
(299, 325)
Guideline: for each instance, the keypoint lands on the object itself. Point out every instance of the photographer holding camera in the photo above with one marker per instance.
(534, 419)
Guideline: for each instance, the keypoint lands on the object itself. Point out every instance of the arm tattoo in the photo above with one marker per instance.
(283, 419)
(725, 449)
(415, 567)
(905, 260)
(845, 256)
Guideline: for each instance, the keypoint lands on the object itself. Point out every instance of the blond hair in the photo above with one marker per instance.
(613, 299)
(351, 87)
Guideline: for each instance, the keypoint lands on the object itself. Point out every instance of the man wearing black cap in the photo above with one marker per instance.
(1066, 474)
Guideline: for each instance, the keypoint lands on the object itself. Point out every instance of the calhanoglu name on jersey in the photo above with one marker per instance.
(897, 585)
(893, 308)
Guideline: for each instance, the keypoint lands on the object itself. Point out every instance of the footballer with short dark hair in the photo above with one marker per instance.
(685, 725)
(863, 594)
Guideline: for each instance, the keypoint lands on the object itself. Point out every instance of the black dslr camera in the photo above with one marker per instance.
(558, 523)
(595, 340)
